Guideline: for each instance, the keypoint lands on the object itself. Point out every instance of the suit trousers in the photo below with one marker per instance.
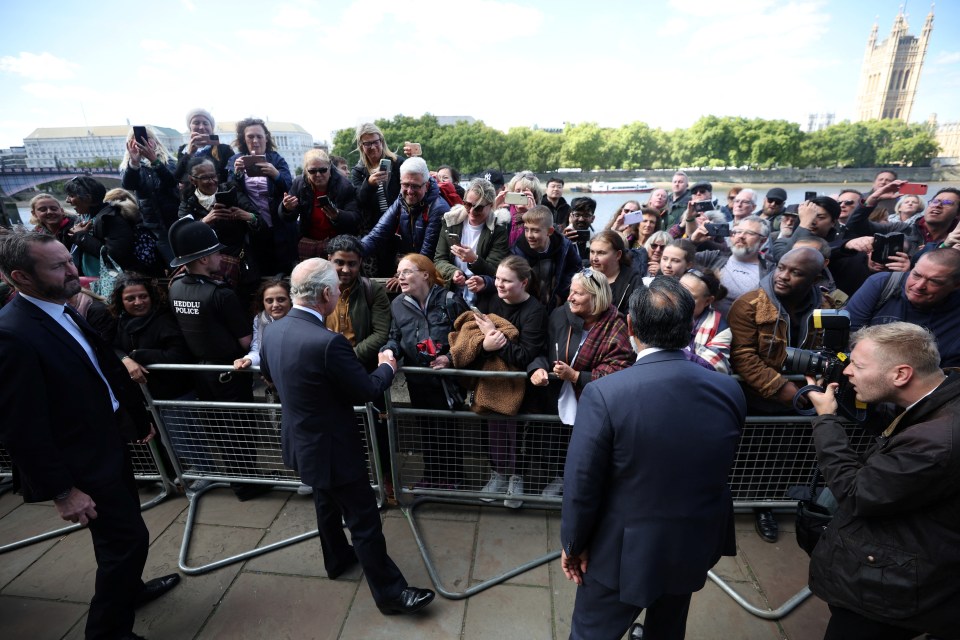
(357, 505)
(598, 613)
(120, 541)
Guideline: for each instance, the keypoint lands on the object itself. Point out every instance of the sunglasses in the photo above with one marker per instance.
(316, 170)
(777, 201)
(847, 203)
(588, 273)
(657, 246)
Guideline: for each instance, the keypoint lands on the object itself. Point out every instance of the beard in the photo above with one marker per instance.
(60, 292)
(744, 252)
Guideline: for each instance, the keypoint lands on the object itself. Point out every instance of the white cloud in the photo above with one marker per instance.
(947, 57)
(44, 66)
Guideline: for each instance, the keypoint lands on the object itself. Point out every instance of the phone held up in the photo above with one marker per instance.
(514, 198)
(912, 189)
(886, 245)
(385, 164)
(718, 229)
(140, 134)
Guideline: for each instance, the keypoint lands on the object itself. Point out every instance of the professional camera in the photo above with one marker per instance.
(827, 365)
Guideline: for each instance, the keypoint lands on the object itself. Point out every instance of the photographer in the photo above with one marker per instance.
(887, 564)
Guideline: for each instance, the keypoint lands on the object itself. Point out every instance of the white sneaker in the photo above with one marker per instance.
(494, 485)
(514, 488)
(554, 489)
(304, 490)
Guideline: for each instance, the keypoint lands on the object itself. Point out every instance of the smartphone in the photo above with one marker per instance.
(323, 201)
(213, 139)
(250, 165)
(385, 165)
(702, 206)
(809, 195)
(718, 229)
(583, 235)
(512, 197)
(416, 148)
(226, 198)
(634, 217)
(913, 189)
(886, 245)
(453, 238)
(140, 135)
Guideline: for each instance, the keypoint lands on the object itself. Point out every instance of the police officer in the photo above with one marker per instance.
(217, 331)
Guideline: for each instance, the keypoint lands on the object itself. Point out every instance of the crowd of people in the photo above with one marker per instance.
(493, 275)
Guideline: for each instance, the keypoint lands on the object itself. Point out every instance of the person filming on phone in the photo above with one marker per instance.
(887, 564)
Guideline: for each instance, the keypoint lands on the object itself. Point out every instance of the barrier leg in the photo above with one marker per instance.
(194, 499)
(767, 614)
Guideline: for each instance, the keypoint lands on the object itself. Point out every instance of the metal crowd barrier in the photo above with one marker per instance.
(775, 454)
(147, 467)
(232, 442)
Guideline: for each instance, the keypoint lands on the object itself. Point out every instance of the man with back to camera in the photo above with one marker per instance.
(647, 510)
(929, 295)
(887, 564)
(73, 451)
(320, 379)
(764, 322)
(553, 199)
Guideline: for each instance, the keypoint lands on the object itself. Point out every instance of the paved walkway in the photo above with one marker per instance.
(45, 587)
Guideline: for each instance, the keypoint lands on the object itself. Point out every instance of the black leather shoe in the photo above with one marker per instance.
(410, 599)
(636, 631)
(156, 588)
(131, 636)
(246, 492)
(767, 525)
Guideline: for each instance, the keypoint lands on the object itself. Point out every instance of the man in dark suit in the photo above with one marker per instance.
(71, 450)
(646, 506)
(319, 380)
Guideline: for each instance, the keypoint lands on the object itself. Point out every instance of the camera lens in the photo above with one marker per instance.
(808, 363)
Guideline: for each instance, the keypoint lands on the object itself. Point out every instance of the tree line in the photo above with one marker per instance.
(711, 142)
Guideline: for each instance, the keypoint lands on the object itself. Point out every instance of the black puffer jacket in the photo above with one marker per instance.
(112, 230)
(340, 192)
(892, 551)
(158, 192)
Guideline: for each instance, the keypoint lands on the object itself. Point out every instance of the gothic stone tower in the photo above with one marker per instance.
(891, 70)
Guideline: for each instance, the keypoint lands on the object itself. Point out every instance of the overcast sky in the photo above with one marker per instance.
(328, 65)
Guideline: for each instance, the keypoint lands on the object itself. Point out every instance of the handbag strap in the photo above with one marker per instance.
(815, 478)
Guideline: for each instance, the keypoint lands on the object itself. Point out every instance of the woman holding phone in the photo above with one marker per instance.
(147, 169)
(203, 142)
(229, 212)
(263, 175)
(586, 339)
(324, 203)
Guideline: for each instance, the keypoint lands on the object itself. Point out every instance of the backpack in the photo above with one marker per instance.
(891, 290)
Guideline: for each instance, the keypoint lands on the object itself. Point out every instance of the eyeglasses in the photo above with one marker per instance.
(479, 206)
(411, 186)
(657, 246)
(207, 177)
(316, 170)
(581, 215)
(370, 144)
(846, 203)
(406, 273)
(942, 203)
(744, 232)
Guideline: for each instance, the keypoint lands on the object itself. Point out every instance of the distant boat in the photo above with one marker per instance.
(633, 186)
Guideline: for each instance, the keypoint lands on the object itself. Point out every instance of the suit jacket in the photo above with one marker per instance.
(319, 380)
(58, 422)
(645, 484)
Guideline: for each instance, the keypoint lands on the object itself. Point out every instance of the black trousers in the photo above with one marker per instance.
(120, 541)
(357, 505)
(598, 614)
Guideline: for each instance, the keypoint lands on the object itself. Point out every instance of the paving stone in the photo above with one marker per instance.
(270, 606)
(29, 520)
(160, 517)
(182, 611)
(38, 619)
(65, 572)
(221, 507)
(713, 614)
(12, 563)
(507, 539)
(303, 558)
(8, 502)
(450, 544)
(809, 620)
(509, 612)
(438, 511)
(781, 568)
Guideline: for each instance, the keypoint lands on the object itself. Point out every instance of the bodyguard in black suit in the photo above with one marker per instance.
(68, 406)
(646, 506)
(319, 380)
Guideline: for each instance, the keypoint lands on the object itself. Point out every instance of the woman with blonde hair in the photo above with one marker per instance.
(48, 216)
(148, 169)
(527, 184)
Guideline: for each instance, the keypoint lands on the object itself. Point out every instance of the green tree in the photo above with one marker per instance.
(582, 146)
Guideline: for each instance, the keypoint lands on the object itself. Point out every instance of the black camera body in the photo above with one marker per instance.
(828, 364)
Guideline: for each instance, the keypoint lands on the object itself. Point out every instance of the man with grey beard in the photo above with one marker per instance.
(743, 267)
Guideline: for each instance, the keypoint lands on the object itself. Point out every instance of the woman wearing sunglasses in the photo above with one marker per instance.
(325, 203)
